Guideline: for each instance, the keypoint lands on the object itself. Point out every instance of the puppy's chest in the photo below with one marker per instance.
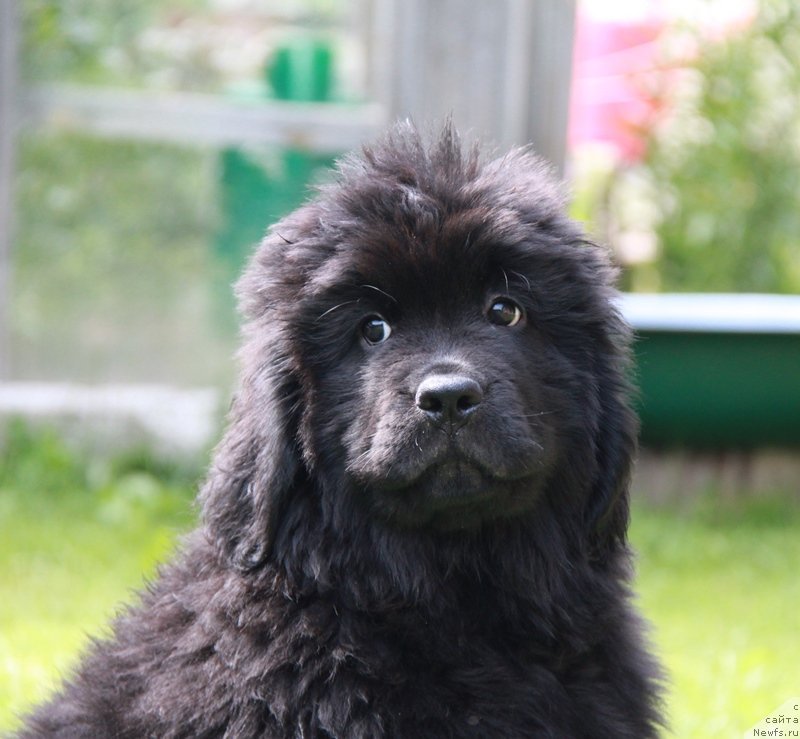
(404, 690)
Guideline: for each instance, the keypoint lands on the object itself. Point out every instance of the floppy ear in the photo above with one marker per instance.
(257, 462)
(607, 513)
(608, 509)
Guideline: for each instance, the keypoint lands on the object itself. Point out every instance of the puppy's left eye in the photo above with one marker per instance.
(375, 330)
(505, 312)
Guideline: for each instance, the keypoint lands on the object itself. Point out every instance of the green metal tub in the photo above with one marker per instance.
(717, 371)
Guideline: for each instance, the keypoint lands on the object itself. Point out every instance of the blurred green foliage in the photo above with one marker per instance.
(725, 168)
(77, 532)
(39, 461)
(109, 43)
(91, 41)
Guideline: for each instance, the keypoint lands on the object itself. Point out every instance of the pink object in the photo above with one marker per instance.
(621, 84)
(617, 85)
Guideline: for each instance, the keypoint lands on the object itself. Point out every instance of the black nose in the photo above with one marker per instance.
(448, 398)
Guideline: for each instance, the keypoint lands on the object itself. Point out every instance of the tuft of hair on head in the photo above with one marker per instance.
(429, 160)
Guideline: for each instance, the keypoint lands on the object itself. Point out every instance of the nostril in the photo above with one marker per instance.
(429, 402)
(448, 397)
(465, 402)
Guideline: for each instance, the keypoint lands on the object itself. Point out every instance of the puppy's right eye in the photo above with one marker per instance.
(505, 312)
(375, 330)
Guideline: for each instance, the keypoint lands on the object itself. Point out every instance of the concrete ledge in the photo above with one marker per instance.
(182, 421)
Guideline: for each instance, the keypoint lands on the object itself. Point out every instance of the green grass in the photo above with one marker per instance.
(74, 541)
(722, 590)
(718, 583)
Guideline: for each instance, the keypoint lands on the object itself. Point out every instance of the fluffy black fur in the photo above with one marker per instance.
(374, 562)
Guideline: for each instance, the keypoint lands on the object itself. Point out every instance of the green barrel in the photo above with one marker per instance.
(717, 371)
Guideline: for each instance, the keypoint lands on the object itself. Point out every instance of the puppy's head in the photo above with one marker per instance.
(433, 335)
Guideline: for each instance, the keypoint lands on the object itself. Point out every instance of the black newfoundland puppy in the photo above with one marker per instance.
(415, 525)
